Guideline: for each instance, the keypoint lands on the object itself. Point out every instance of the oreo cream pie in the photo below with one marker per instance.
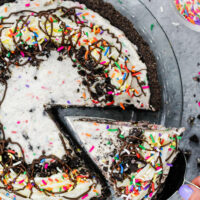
(55, 52)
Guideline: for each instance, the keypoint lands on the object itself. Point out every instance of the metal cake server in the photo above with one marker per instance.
(176, 178)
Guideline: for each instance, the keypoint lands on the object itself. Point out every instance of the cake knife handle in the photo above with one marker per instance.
(188, 182)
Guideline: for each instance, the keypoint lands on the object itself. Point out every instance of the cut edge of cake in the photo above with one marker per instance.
(103, 140)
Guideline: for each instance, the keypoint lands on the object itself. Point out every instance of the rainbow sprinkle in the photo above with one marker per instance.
(189, 9)
(92, 148)
(27, 5)
(60, 48)
(85, 196)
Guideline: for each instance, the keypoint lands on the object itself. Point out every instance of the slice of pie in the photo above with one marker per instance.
(134, 157)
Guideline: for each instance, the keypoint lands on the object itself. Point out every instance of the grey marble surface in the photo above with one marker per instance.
(186, 44)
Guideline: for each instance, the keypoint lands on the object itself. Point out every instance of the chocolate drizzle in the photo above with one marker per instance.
(11, 161)
(132, 160)
(144, 51)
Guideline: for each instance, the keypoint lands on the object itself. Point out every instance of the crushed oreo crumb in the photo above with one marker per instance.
(187, 153)
(144, 51)
(191, 120)
(196, 78)
(198, 162)
(194, 139)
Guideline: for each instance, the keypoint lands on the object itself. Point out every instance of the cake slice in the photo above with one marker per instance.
(134, 157)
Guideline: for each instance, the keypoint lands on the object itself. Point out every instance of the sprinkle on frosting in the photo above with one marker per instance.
(189, 9)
